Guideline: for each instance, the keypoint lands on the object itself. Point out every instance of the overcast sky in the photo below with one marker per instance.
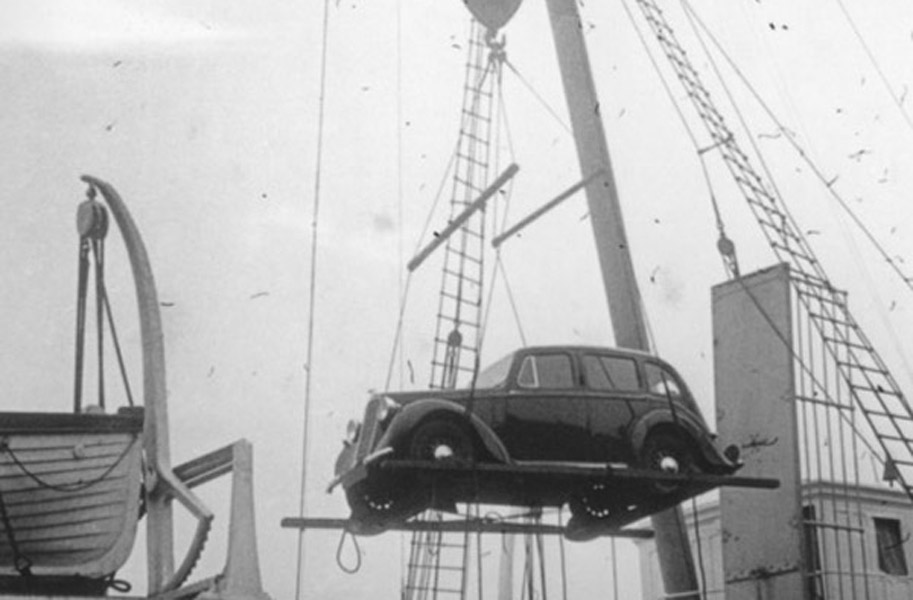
(203, 114)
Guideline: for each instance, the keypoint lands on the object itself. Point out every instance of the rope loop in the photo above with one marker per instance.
(351, 570)
(119, 585)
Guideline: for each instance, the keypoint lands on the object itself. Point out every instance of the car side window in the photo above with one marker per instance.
(661, 382)
(611, 373)
(548, 371)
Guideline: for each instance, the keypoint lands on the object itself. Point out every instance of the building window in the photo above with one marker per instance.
(815, 583)
(891, 558)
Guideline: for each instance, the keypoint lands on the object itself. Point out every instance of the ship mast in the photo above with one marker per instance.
(622, 293)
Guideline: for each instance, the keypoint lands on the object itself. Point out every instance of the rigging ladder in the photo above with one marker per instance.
(861, 368)
(438, 560)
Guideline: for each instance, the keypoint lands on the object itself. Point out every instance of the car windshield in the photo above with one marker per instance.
(495, 375)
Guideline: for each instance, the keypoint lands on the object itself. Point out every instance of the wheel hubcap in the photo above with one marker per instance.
(668, 464)
(442, 452)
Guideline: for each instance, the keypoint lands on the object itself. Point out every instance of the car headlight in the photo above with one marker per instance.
(386, 409)
(353, 428)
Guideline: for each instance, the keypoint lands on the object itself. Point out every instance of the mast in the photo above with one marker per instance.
(622, 293)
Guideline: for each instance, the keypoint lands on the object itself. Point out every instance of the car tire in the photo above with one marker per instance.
(668, 452)
(441, 440)
(595, 503)
(377, 506)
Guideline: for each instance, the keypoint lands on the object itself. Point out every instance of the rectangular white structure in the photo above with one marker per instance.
(753, 366)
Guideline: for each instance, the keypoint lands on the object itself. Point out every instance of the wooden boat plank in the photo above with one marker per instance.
(127, 421)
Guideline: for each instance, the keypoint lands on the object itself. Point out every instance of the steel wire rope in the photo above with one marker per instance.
(814, 381)
(908, 281)
(400, 238)
(684, 121)
(117, 349)
(315, 213)
(397, 336)
(695, 20)
(698, 544)
(538, 96)
(871, 56)
(614, 547)
(828, 183)
(562, 555)
(499, 264)
(98, 253)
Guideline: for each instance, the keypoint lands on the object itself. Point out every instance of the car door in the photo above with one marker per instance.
(545, 417)
(612, 383)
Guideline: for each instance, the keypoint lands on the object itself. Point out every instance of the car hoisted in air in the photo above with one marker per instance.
(548, 407)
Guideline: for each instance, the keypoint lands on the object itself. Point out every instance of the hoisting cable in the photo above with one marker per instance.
(868, 52)
(80, 324)
(98, 253)
(117, 350)
(562, 555)
(315, 212)
(92, 226)
(499, 264)
(828, 183)
(614, 568)
(397, 336)
(725, 246)
(699, 547)
(538, 96)
(908, 281)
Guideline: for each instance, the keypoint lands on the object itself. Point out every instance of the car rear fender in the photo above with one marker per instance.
(415, 412)
(663, 417)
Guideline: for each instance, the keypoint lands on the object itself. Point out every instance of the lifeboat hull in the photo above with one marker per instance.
(70, 488)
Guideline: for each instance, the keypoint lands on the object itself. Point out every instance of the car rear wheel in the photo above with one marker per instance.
(375, 506)
(441, 440)
(667, 452)
(595, 503)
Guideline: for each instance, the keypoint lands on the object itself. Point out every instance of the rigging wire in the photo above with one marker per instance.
(730, 265)
(397, 336)
(399, 162)
(907, 280)
(699, 546)
(499, 267)
(828, 183)
(538, 96)
(871, 56)
(563, 556)
(312, 297)
(614, 568)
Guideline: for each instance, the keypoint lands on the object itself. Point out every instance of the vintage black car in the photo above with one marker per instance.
(553, 407)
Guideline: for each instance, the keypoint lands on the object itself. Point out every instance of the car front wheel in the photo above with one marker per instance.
(441, 440)
(667, 452)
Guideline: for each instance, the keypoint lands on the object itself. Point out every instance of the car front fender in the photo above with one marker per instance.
(413, 413)
(642, 428)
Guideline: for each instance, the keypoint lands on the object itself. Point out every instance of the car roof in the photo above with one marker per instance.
(585, 348)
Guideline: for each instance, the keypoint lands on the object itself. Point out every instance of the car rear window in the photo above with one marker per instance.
(661, 382)
(496, 374)
(549, 371)
(611, 373)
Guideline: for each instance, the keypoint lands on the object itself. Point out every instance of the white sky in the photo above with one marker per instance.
(203, 115)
